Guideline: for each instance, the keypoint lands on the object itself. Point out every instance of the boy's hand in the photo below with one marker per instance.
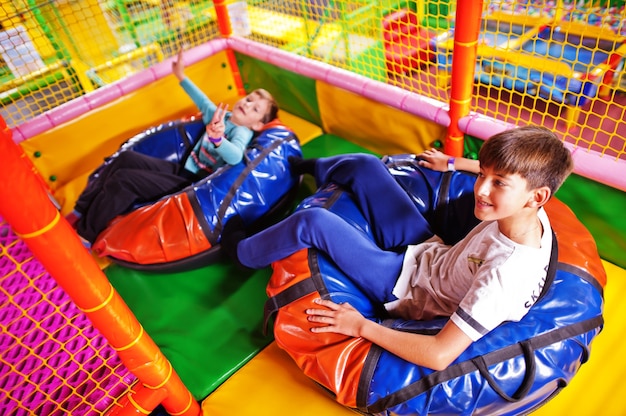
(437, 160)
(178, 66)
(339, 318)
(434, 159)
(216, 127)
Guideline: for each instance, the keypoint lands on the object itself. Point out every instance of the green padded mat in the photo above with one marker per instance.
(207, 322)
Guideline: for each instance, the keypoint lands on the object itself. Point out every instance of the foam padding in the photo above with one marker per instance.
(330, 145)
(305, 130)
(374, 125)
(605, 220)
(271, 384)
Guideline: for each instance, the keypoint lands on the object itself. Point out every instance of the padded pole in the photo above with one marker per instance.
(468, 16)
(223, 20)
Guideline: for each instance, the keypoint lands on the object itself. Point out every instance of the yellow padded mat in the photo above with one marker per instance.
(373, 125)
(271, 384)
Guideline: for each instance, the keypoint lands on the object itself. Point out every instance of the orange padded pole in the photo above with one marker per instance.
(467, 27)
(139, 401)
(27, 207)
(223, 23)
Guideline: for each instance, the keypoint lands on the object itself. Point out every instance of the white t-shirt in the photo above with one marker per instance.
(480, 282)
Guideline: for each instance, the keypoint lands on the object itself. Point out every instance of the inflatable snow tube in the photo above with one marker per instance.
(512, 370)
(183, 230)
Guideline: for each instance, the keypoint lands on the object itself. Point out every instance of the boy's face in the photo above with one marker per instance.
(250, 111)
(500, 196)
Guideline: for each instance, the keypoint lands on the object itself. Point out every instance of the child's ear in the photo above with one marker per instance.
(257, 126)
(540, 197)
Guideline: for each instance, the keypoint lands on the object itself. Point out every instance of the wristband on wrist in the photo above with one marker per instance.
(451, 167)
(216, 140)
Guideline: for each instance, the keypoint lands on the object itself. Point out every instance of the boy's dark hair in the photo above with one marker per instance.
(272, 112)
(533, 152)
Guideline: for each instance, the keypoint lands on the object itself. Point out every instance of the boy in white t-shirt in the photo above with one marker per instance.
(495, 274)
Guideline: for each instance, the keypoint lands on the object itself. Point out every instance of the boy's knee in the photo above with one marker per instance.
(119, 176)
(368, 158)
(367, 162)
(312, 218)
(122, 180)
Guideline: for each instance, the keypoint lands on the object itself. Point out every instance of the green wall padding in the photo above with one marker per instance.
(295, 93)
(330, 145)
(601, 208)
